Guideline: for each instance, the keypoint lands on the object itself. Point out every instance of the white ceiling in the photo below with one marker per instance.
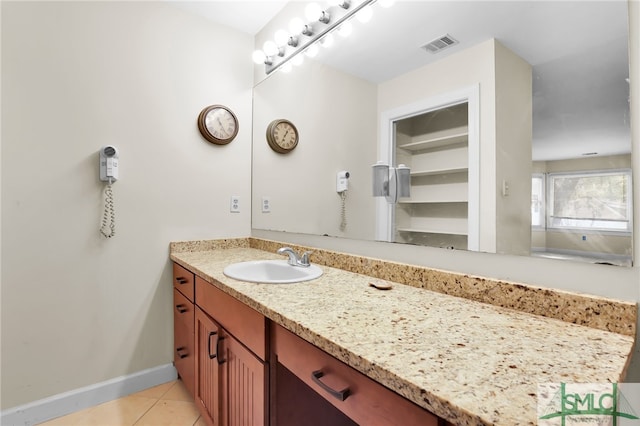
(248, 16)
(578, 50)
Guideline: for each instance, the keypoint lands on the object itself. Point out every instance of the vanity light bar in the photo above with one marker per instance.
(331, 17)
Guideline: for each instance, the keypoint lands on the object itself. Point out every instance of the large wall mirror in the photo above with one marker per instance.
(542, 130)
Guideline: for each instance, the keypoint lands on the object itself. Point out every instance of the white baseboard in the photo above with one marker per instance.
(88, 396)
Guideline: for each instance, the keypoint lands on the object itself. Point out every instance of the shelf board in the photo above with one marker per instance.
(441, 201)
(438, 171)
(437, 139)
(431, 231)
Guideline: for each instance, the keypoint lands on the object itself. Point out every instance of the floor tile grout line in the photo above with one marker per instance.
(146, 412)
(175, 382)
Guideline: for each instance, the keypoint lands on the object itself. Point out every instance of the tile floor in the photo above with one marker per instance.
(167, 404)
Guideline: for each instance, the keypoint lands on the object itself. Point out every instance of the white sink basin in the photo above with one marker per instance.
(271, 272)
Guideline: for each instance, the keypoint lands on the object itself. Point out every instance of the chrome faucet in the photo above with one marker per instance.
(294, 259)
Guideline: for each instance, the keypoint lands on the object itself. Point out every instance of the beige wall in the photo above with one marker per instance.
(514, 121)
(335, 114)
(78, 309)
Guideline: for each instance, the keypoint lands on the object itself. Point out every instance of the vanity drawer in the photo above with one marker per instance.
(362, 399)
(244, 323)
(183, 339)
(183, 281)
(183, 310)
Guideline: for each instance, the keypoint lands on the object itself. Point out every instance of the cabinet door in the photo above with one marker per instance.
(208, 378)
(244, 383)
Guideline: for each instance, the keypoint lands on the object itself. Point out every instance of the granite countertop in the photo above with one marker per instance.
(468, 362)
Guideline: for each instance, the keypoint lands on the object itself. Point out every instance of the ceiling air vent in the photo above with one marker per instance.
(440, 43)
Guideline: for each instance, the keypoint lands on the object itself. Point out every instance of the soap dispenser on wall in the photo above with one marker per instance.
(391, 182)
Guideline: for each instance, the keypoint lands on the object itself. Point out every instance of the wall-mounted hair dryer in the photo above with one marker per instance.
(342, 181)
(109, 163)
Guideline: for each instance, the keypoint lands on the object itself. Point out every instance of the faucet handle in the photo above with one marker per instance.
(304, 260)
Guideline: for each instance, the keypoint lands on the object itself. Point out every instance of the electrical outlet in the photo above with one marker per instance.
(266, 205)
(505, 188)
(235, 204)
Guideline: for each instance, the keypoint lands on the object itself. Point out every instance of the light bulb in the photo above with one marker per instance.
(308, 30)
(342, 3)
(270, 48)
(386, 3)
(259, 57)
(325, 17)
(328, 40)
(345, 29)
(281, 37)
(297, 60)
(313, 11)
(311, 51)
(364, 15)
(296, 25)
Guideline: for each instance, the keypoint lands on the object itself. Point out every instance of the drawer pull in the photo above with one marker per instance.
(341, 395)
(182, 280)
(182, 308)
(182, 355)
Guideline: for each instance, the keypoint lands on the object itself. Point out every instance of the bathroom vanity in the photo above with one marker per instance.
(336, 350)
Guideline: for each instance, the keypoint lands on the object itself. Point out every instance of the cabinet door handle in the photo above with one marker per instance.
(218, 355)
(341, 394)
(182, 355)
(182, 308)
(182, 280)
(211, 334)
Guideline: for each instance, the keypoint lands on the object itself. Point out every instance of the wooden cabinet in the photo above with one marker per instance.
(244, 370)
(183, 323)
(360, 398)
(231, 372)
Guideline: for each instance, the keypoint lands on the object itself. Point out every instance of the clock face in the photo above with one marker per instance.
(282, 136)
(218, 124)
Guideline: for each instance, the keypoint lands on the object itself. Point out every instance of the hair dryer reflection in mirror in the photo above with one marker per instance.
(342, 185)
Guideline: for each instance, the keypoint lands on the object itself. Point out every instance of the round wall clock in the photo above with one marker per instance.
(282, 136)
(218, 124)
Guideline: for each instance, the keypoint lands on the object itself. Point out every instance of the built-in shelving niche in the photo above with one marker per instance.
(435, 145)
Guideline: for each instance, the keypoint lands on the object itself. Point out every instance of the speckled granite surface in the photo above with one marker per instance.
(597, 312)
(468, 362)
